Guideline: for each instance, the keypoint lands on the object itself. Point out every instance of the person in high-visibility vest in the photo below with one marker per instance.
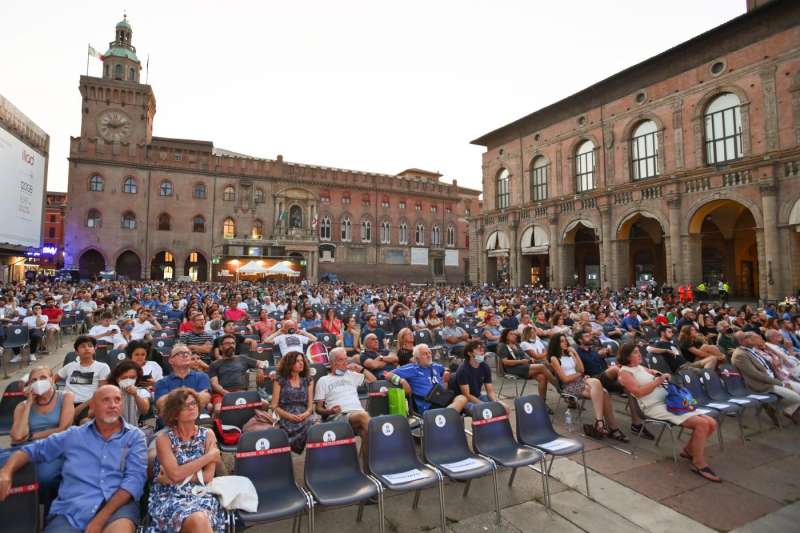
(725, 291)
(689, 293)
(682, 294)
(702, 292)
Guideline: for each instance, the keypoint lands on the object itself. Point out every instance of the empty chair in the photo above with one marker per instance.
(534, 428)
(332, 472)
(17, 336)
(328, 339)
(444, 445)
(691, 380)
(393, 460)
(164, 346)
(378, 398)
(264, 456)
(262, 352)
(236, 409)
(717, 392)
(492, 437)
(20, 510)
(12, 396)
(318, 370)
(656, 362)
(736, 387)
(423, 336)
(115, 357)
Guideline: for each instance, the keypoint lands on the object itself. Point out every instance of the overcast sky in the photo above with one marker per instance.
(368, 85)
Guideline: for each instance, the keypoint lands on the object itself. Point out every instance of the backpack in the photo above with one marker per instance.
(679, 400)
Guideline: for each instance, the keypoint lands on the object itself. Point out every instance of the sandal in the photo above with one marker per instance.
(600, 427)
(590, 431)
(686, 455)
(707, 473)
(616, 434)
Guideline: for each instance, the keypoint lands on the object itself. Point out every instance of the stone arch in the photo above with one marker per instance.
(704, 204)
(638, 248)
(702, 103)
(620, 229)
(203, 268)
(790, 212)
(573, 223)
(298, 193)
(128, 263)
(91, 262)
(530, 229)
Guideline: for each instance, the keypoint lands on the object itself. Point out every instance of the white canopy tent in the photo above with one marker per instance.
(281, 269)
(253, 268)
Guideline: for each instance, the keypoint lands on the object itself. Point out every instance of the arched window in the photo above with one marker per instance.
(419, 235)
(723, 129)
(346, 230)
(503, 193)
(199, 224)
(258, 230)
(451, 236)
(366, 231)
(644, 150)
(96, 183)
(119, 73)
(258, 196)
(295, 217)
(228, 229)
(165, 189)
(93, 219)
(584, 167)
(325, 229)
(129, 185)
(199, 190)
(386, 232)
(128, 220)
(402, 233)
(164, 222)
(132, 74)
(539, 171)
(229, 194)
(435, 236)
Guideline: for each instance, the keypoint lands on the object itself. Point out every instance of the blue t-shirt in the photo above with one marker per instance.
(421, 380)
(195, 380)
(629, 323)
(593, 364)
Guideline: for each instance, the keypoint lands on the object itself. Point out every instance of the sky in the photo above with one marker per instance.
(366, 85)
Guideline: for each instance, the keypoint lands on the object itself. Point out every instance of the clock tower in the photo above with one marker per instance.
(118, 108)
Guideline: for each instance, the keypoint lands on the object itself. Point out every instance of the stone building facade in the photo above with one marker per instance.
(681, 168)
(55, 209)
(156, 207)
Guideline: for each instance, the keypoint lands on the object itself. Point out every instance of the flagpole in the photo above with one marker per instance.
(147, 71)
(87, 58)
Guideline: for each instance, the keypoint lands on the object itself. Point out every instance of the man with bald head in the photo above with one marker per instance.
(104, 472)
(290, 339)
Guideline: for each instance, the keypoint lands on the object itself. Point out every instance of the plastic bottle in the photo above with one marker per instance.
(568, 420)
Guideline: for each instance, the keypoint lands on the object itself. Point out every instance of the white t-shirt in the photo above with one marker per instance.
(30, 321)
(291, 343)
(82, 381)
(537, 346)
(152, 369)
(140, 329)
(340, 390)
(117, 339)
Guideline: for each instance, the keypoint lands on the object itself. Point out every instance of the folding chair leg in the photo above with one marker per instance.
(360, 514)
(496, 495)
(381, 517)
(586, 471)
(661, 434)
(295, 524)
(741, 426)
(466, 488)
(672, 438)
(441, 501)
(416, 500)
(513, 475)
(545, 488)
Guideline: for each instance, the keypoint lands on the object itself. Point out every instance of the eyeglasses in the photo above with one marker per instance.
(191, 404)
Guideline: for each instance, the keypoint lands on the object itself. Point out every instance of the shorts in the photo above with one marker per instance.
(343, 416)
(469, 405)
(52, 327)
(59, 523)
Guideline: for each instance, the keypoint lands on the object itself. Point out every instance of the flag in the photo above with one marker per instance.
(95, 53)
(314, 222)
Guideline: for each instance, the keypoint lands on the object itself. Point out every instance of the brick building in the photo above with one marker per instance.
(55, 209)
(683, 168)
(156, 207)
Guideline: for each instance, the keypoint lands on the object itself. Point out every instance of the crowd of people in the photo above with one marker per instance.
(181, 347)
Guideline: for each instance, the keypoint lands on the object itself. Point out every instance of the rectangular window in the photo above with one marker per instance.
(644, 156)
(539, 182)
(401, 204)
(584, 171)
(724, 135)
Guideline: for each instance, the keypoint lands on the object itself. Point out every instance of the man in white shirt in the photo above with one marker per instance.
(144, 325)
(289, 338)
(36, 323)
(336, 394)
(83, 376)
(105, 331)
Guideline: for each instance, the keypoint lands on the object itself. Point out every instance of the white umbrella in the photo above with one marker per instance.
(281, 269)
(253, 268)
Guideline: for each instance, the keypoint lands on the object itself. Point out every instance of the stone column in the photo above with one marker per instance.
(674, 258)
(606, 277)
(554, 253)
(770, 107)
(771, 246)
(515, 254)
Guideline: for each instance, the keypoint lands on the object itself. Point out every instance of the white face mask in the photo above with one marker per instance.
(41, 386)
(125, 383)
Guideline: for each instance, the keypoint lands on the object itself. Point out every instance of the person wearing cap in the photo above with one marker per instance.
(180, 359)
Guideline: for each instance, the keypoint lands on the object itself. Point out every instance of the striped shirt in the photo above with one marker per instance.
(193, 339)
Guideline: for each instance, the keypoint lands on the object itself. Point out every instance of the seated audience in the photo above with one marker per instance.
(351, 337)
(103, 475)
(198, 340)
(83, 377)
(127, 375)
(420, 377)
(697, 351)
(107, 332)
(186, 457)
(293, 399)
(180, 360)
(472, 376)
(569, 369)
(54, 315)
(405, 346)
(229, 372)
(36, 323)
(144, 325)
(647, 386)
(375, 362)
(454, 336)
(265, 325)
(516, 362)
(310, 320)
(137, 351)
(288, 338)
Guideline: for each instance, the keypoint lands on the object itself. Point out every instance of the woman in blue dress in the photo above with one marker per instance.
(183, 451)
(293, 399)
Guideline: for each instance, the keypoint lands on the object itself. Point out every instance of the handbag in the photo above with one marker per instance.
(439, 396)
(679, 400)
(233, 492)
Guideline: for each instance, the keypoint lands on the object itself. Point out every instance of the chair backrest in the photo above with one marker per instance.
(328, 339)
(239, 407)
(163, 345)
(691, 380)
(16, 335)
(12, 396)
(101, 354)
(444, 440)
(384, 324)
(331, 454)
(115, 357)
(391, 447)
(378, 397)
(276, 315)
(166, 333)
(264, 456)
(317, 352)
(491, 430)
(71, 357)
(423, 336)
(474, 331)
(533, 422)
(263, 352)
(733, 381)
(22, 503)
(318, 371)
(656, 362)
(713, 385)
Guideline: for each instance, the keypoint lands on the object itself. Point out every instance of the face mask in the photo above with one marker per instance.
(339, 372)
(479, 358)
(41, 386)
(125, 383)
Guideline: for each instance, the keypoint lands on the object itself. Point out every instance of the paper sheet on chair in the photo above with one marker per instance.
(758, 397)
(740, 401)
(717, 405)
(462, 466)
(702, 411)
(405, 477)
(555, 445)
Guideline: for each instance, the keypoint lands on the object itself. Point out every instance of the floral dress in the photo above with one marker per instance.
(170, 505)
(295, 401)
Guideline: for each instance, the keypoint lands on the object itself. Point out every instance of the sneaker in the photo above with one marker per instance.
(645, 432)
(32, 358)
(16, 359)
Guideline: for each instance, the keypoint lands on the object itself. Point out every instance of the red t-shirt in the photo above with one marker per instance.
(53, 314)
(186, 327)
(235, 314)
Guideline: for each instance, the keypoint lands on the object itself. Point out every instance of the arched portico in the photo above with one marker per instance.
(498, 261)
(534, 249)
(640, 253)
(581, 252)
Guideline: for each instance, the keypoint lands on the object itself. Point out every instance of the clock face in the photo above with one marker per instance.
(114, 125)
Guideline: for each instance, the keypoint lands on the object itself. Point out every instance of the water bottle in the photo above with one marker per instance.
(568, 420)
